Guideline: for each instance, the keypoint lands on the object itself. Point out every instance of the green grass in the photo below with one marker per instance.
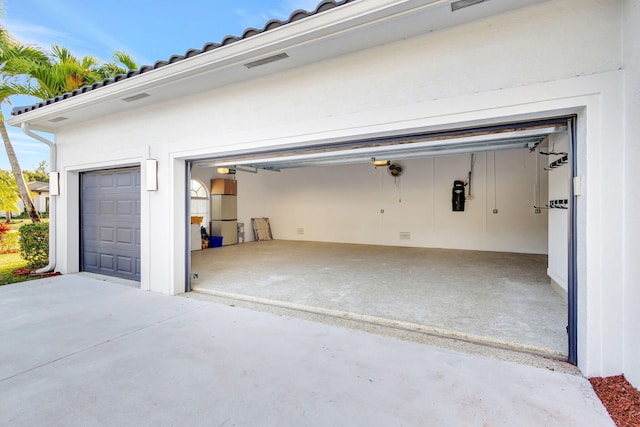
(8, 263)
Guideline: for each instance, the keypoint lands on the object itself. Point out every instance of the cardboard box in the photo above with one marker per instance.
(224, 186)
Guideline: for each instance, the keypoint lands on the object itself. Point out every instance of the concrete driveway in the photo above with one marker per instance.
(76, 351)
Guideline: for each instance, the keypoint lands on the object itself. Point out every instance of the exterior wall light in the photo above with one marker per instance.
(152, 175)
(54, 183)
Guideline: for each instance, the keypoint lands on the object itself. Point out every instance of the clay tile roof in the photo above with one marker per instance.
(227, 40)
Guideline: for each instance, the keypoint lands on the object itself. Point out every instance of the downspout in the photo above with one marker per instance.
(53, 160)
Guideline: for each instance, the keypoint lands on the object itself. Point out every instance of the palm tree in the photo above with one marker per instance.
(15, 59)
(63, 72)
(8, 194)
(26, 70)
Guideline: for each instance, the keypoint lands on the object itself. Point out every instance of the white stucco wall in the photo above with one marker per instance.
(631, 203)
(555, 58)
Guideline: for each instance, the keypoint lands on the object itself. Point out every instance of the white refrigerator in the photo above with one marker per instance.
(227, 229)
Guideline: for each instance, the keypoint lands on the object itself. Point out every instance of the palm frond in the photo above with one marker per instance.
(17, 59)
(28, 70)
(88, 62)
(125, 59)
(11, 89)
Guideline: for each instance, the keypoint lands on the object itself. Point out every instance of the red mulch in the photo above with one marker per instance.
(21, 272)
(29, 272)
(620, 398)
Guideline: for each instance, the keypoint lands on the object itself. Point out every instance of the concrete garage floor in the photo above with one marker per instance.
(76, 351)
(497, 298)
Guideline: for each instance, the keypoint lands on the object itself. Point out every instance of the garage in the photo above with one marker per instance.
(301, 108)
(459, 232)
(110, 222)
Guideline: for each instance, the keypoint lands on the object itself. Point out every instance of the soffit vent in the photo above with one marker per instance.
(461, 4)
(58, 119)
(136, 97)
(267, 60)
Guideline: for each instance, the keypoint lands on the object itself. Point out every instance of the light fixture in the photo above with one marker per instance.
(377, 163)
(226, 171)
(54, 183)
(152, 175)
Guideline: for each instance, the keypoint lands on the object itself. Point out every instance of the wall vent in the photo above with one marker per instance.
(300, 231)
(267, 60)
(405, 235)
(136, 97)
(58, 119)
(461, 4)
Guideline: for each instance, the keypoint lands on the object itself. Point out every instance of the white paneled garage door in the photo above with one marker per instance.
(110, 222)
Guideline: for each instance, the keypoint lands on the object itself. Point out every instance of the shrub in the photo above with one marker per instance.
(9, 242)
(4, 228)
(34, 243)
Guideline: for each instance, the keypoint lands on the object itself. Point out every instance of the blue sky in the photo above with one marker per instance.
(147, 30)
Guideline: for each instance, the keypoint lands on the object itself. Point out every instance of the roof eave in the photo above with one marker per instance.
(242, 51)
(337, 22)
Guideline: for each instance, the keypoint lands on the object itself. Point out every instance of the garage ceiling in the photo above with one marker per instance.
(401, 147)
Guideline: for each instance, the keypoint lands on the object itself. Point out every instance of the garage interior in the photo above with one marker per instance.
(374, 230)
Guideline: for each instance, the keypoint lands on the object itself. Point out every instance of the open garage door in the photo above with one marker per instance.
(110, 222)
(367, 239)
(401, 147)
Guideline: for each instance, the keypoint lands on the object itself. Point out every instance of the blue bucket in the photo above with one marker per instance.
(215, 241)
